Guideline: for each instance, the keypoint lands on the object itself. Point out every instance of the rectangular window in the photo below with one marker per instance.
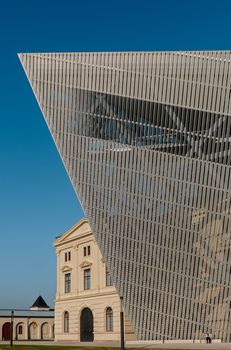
(67, 256)
(67, 283)
(108, 279)
(87, 279)
(87, 250)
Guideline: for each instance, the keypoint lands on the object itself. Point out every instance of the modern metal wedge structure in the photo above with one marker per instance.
(146, 140)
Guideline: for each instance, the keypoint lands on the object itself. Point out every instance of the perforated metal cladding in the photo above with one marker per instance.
(146, 140)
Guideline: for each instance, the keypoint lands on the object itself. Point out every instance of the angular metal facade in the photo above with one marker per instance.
(146, 140)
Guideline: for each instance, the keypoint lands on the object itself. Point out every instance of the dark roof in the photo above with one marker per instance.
(40, 303)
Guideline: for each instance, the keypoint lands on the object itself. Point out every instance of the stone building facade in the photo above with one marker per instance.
(27, 327)
(87, 306)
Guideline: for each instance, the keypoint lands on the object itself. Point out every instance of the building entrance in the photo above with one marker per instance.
(6, 331)
(86, 325)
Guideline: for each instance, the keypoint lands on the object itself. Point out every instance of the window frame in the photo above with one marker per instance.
(87, 250)
(109, 319)
(20, 329)
(66, 318)
(87, 279)
(109, 281)
(67, 282)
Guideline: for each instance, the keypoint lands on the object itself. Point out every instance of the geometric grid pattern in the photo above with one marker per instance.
(146, 140)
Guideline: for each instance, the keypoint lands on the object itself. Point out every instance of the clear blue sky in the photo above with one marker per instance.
(37, 200)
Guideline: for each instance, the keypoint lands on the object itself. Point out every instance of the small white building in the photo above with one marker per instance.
(87, 306)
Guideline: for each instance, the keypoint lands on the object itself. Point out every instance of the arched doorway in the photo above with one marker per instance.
(86, 325)
(45, 331)
(33, 331)
(6, 331)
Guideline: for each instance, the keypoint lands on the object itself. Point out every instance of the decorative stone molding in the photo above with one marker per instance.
(66, 268)
(85, 263)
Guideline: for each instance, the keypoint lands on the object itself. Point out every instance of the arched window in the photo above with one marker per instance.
(20, 329)
(109, 320)
(66, 322)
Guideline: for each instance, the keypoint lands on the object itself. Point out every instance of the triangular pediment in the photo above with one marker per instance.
(85, 263)
(81, 228)
(66, 268)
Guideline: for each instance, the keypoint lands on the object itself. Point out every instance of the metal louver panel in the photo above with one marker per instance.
(146, 140)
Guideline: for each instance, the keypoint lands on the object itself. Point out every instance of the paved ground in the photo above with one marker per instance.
(213, 346)
(221, 346)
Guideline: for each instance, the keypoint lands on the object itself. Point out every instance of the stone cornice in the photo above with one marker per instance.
(87, 296)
